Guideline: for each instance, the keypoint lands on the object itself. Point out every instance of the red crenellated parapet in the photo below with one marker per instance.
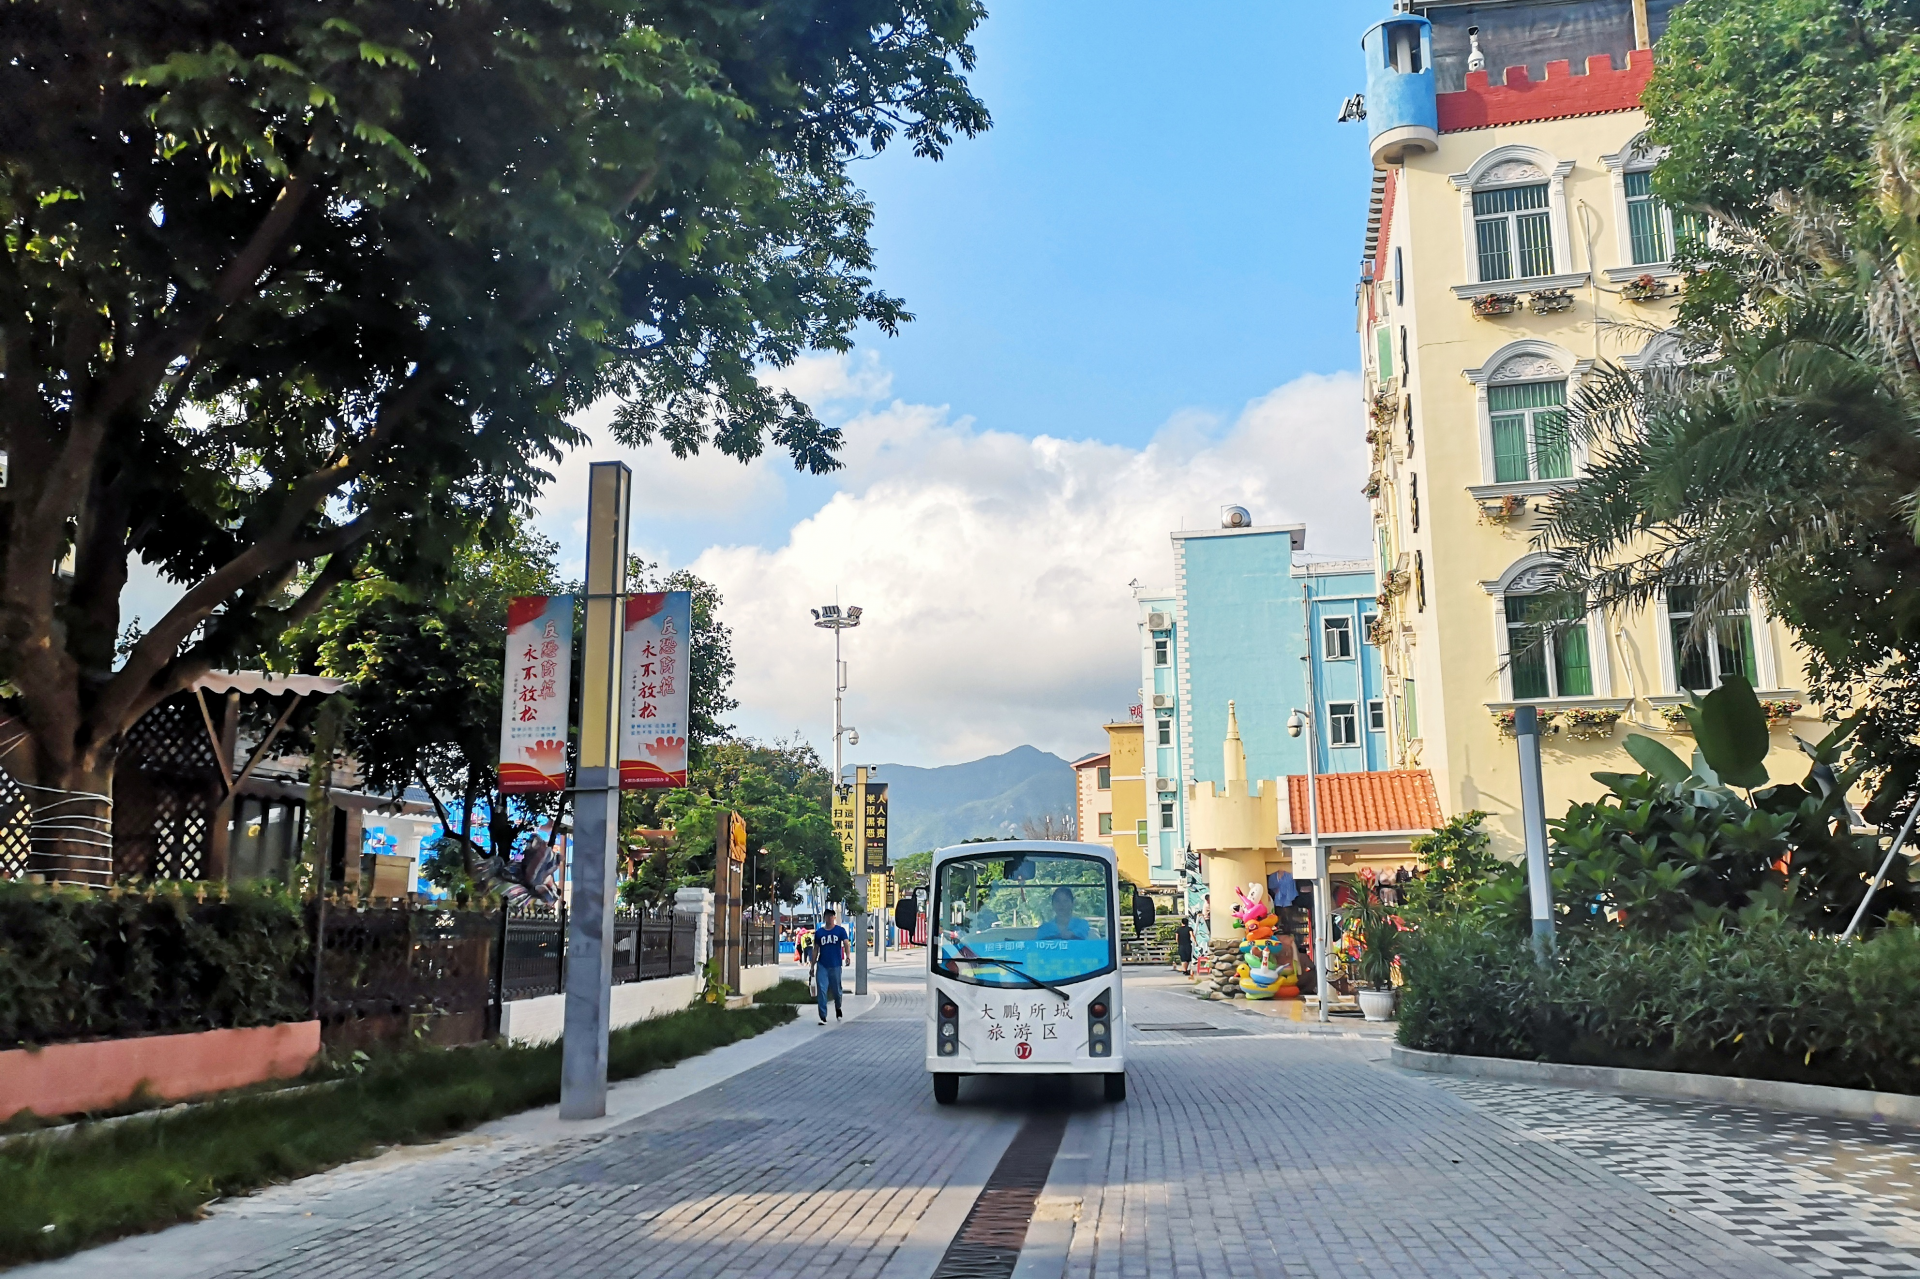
(1560, 95)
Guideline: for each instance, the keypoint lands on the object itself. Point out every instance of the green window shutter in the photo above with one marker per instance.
(1140, 831)
(1734, 635)
(1106, 823)
(1496, 258)
(1411, 705)
(1552, 451)
(1536, 245)
(1510, 449)
(1573, 667)
(1383, 344)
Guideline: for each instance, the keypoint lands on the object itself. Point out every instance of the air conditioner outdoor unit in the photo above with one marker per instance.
(1159, 622)
(1166, 785)
(1161, 701)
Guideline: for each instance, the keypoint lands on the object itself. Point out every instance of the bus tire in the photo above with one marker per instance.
(1117, 1086)
(946, 1088)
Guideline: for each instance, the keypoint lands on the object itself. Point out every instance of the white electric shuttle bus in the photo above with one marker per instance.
(1023, 964)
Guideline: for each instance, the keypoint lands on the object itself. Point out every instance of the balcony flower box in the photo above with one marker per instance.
(1372, 487)
(1779, 710)
(1675, 717)
(1378, 631)
(1503, 510)
(1492, 304)
(1503, 720)
(1385, 405)
(1589, 723)
(1396, 583)
(1644, 288)
(1547, 301)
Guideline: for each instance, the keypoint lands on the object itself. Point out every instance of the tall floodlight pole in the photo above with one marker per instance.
(830, 617)
(1323, 875)
(596, 804)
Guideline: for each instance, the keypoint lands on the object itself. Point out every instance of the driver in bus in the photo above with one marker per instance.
(1065, 925)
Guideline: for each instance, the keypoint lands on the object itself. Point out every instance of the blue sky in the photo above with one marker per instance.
(1135, 304)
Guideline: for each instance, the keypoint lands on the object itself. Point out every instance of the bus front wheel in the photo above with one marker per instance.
(1117, 1086)
(946, 1088)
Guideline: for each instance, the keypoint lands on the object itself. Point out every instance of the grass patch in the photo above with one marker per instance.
(138, 1175)
(788, 990)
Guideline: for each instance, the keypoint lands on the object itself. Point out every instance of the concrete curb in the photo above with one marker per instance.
(1806, 1099)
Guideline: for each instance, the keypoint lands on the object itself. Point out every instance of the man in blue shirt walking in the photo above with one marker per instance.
(830, 945)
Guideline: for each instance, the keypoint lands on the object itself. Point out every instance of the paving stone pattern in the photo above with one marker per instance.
(1831, 1197)
(1289, 1154)
(1280, 1150)
(818, 1163)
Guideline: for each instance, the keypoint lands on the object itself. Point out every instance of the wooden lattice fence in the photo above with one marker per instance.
(165, 790)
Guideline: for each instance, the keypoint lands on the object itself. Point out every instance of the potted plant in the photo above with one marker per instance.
(1491, 304)
(1589, 722)
(1503, 720)
(1778, 710)
(1547, 301)
(1644, 288)
(1503, 510)
(1377, 930)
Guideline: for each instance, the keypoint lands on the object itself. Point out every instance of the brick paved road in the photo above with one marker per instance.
(1269, 1149)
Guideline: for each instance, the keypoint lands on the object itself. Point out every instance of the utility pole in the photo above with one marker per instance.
(1309, 721)
(830, 617)
(596, 805)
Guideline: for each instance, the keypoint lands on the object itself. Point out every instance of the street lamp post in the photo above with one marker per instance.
(831, 617)
(1323, 882)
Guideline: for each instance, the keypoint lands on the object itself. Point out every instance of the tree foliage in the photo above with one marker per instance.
(295, 287)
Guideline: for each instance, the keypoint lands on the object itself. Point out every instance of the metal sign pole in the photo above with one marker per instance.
(596, 859)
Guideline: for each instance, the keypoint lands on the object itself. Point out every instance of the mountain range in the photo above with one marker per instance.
(982, 798)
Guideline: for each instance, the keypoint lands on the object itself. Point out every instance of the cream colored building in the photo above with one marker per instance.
(1512, 249)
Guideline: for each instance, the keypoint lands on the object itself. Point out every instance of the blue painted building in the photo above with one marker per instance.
(1236, 626)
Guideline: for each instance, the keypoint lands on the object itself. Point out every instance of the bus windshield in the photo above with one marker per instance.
(1016, 919)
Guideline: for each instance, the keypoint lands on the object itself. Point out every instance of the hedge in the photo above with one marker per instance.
(76, 964)
(1764, 1001)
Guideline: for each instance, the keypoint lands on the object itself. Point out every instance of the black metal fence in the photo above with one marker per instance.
(646, 945)
(384, 972)
(761, 934)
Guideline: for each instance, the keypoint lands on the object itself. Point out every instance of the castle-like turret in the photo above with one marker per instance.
(1402, 112)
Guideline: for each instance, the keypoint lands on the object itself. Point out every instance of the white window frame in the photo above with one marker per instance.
(1527, 360)
(1635, 157)
(1350, 712)
(1759, 622)
(1163, 730)
(1338, 624)
(1162, 651)
(1166, 814)
(1366, 626)
(1517, 165)
(1376, 714)
(1530, 575)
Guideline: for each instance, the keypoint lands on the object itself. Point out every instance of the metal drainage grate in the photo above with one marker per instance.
(1195, 1028)
(989, 1240)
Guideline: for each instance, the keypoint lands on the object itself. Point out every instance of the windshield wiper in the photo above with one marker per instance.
(1012, 966)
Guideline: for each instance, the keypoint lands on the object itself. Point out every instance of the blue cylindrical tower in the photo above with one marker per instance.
(1403, 117)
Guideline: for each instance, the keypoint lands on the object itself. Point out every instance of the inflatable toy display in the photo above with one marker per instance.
(1263, 972)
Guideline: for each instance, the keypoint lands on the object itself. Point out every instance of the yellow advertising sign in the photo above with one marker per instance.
(737, 837)
(844, 808)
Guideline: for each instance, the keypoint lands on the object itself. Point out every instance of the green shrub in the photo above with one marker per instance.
(140, 1174)
(788, 990)
(1763, 999)
(172, 957)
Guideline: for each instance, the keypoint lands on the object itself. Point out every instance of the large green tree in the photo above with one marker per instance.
(289, 288)
(1783, 450)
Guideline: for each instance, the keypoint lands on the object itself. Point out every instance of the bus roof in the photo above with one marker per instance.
(1003, 846)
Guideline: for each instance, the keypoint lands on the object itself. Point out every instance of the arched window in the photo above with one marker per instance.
(1524, 390)
(1649, 232)
(1549, 645)
(1514, 203)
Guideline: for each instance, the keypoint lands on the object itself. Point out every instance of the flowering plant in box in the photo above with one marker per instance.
(1676, 719)
(1503, 720)
(1778, 710)
(1496, 304)
(1644, 288)
(1547, 301)
(1504, 509)
(1385, 406)
(1589, 722)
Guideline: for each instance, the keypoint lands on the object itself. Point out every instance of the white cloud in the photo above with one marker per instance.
(993, 568)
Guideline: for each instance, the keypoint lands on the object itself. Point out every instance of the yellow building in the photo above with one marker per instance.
(1124, 778)
(1512, 247)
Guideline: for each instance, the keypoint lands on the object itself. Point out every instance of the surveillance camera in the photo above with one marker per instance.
(1294, 724)
(853, 737)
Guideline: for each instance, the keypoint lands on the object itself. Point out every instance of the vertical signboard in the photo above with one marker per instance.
(844, 825)
(873, 828)
(539, 673)
(653, 692)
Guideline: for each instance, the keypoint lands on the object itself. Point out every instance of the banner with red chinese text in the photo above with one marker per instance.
(533, 720)
(653, 690)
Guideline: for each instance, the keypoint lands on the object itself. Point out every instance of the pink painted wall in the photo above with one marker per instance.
(62, 1079)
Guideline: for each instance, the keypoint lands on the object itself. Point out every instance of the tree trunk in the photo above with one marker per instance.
(70, 832)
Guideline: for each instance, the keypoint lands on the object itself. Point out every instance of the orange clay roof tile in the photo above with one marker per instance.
(1357, 803)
